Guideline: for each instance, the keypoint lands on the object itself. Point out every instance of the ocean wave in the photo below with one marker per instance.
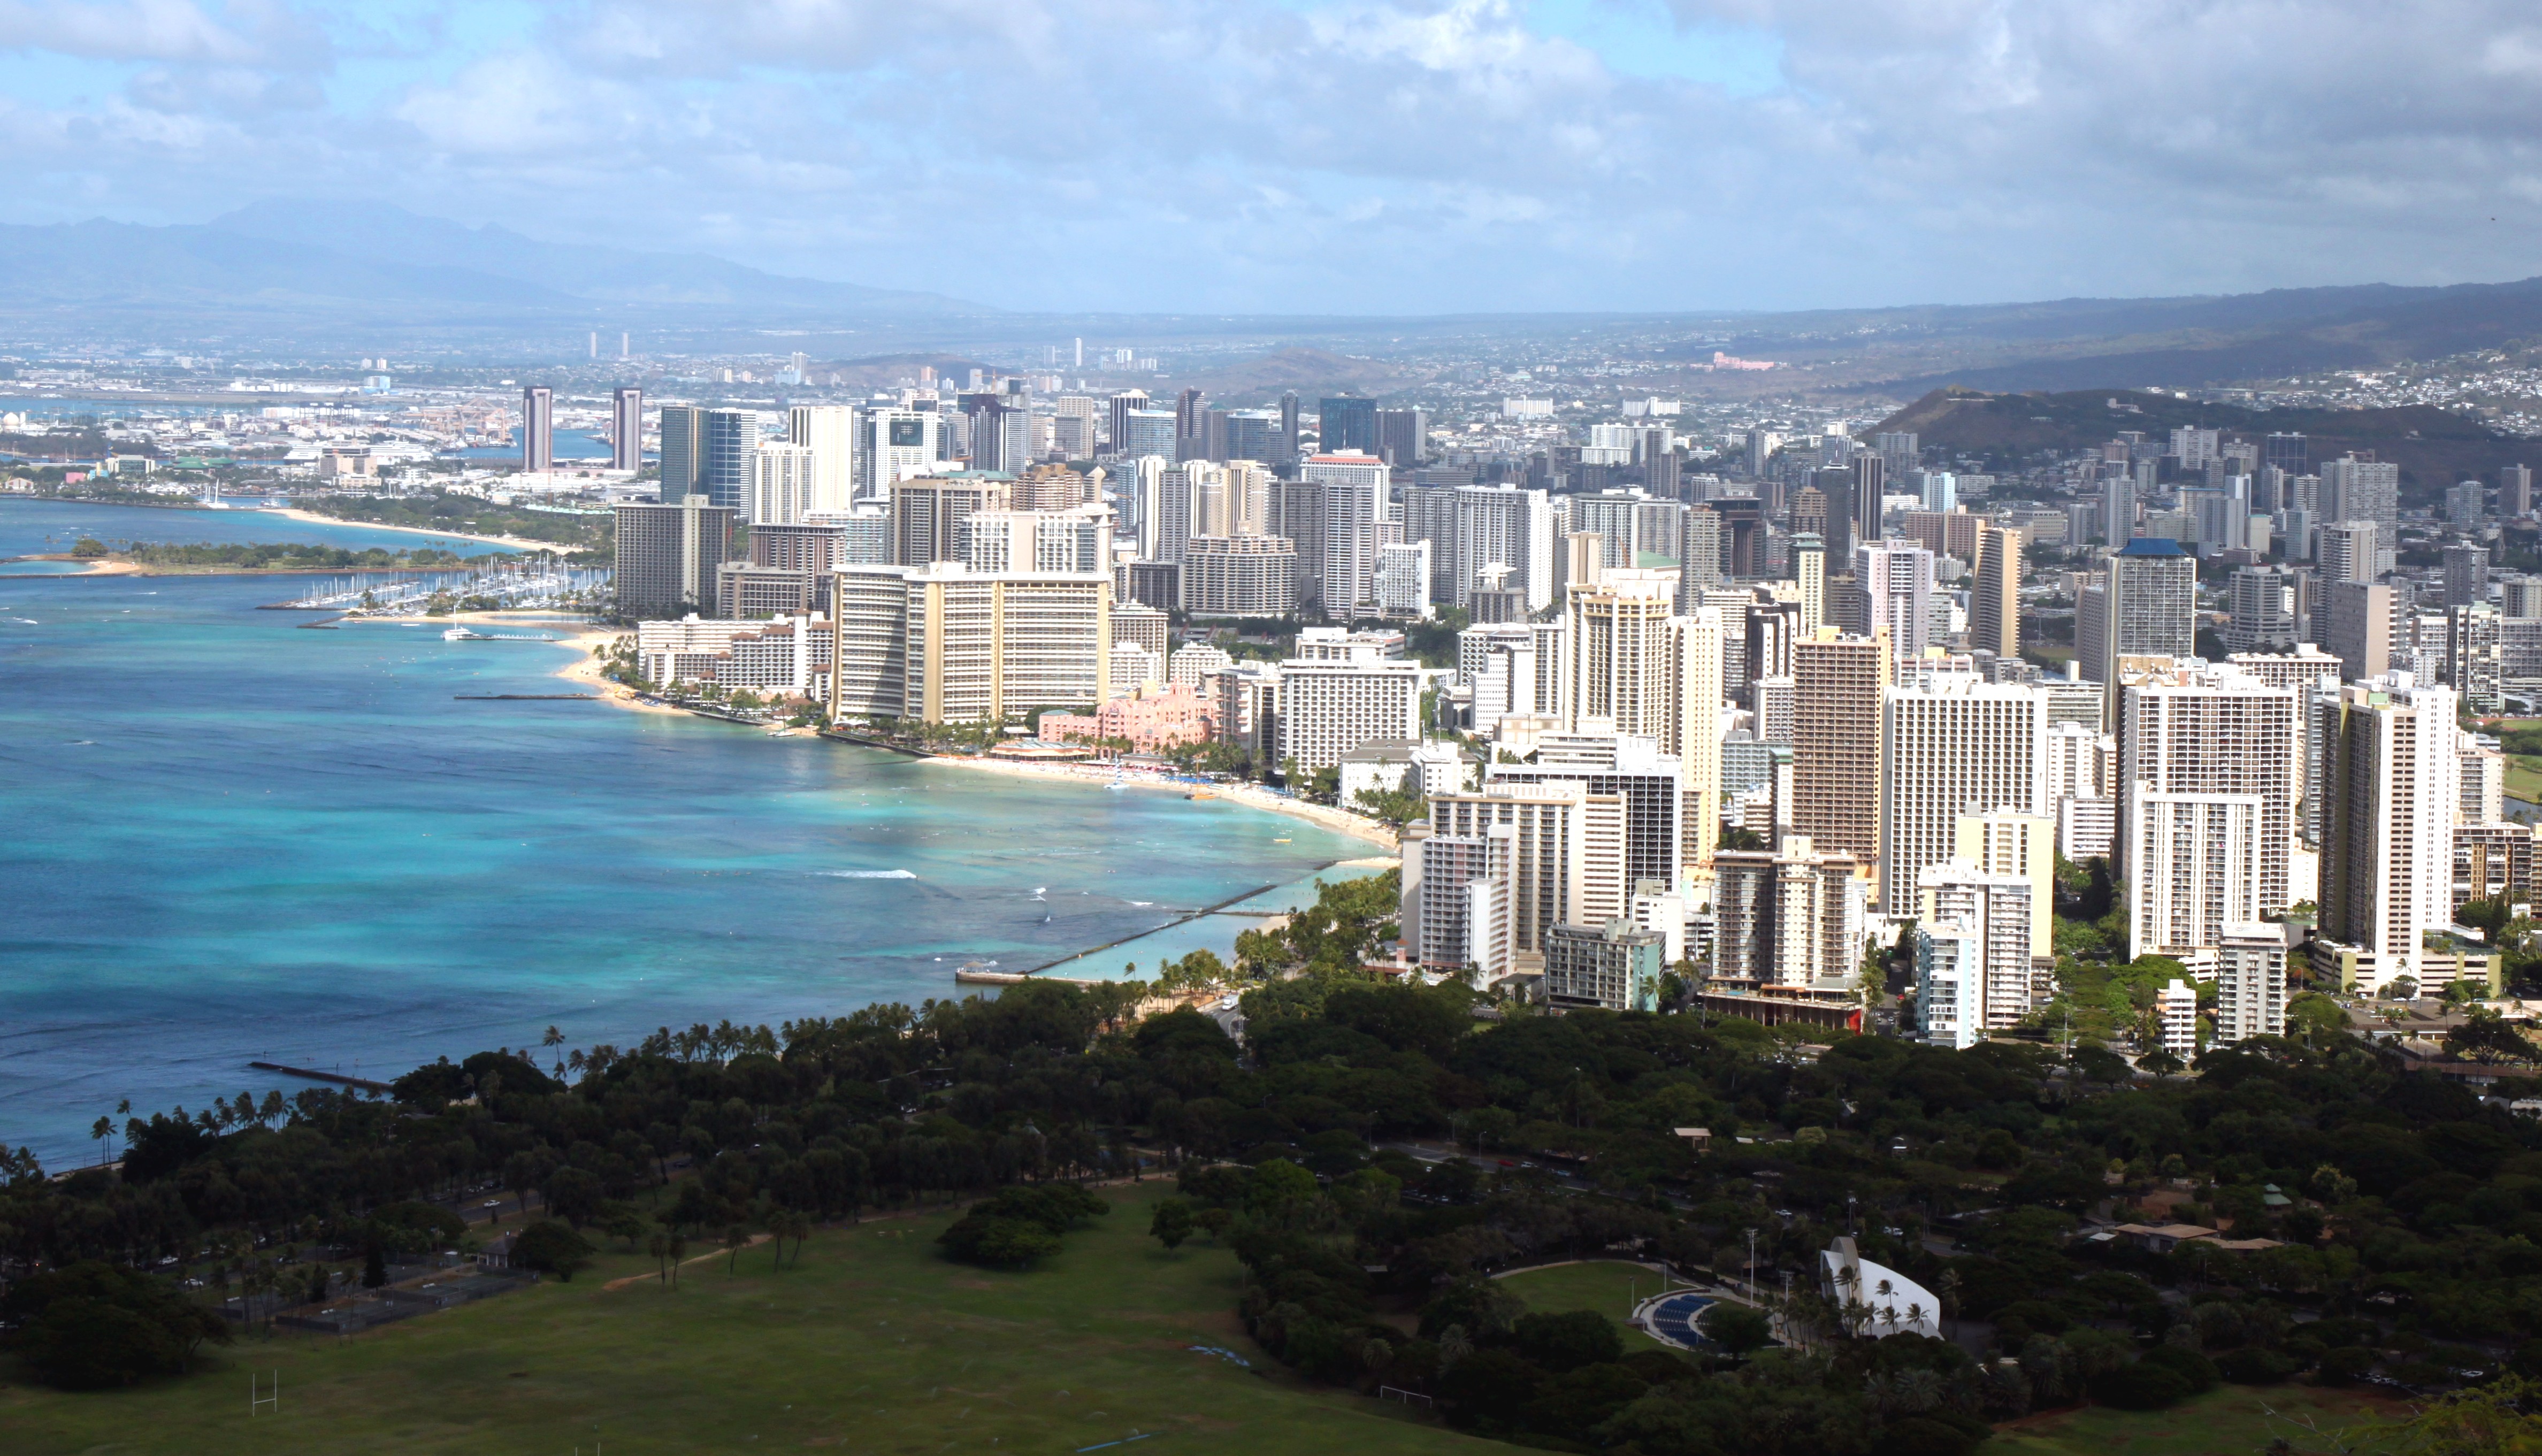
(868, 874)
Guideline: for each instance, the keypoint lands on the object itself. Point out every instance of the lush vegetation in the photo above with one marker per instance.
(2404, 1217)
(865, 1339)
(440, 510)
(270, 555)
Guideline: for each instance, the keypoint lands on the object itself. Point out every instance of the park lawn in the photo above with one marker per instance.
(2228, 1419)
(871, 1343)
(1605, 1286)
(2525, 777)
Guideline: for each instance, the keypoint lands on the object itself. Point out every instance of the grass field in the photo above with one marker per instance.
(2523, 777)
(1605, 1286)
(2228, 1420)
(873, 1344)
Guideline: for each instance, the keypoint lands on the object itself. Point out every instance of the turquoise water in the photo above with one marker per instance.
(224, 839)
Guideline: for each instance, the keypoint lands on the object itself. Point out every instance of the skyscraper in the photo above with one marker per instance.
(538, 427)
(1120, 405)
(2194, 745)
(1347, 422)
(667, 556)
(2151, 605)
(2466, 575)
(2393, 786)
(1835, 740)
(1869, 481)
(926, 513)
(1953, 747)
(2263, 609)
(730, 448)
(1809, 567)
(1994, 606)
(1353, 488)
(829, 431)
(1287, 460)
(2515, 490)
(627, 429)
(1893, 583)
(1402, 436)
(684, 451)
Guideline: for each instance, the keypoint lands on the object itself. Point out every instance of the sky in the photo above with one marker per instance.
(1342, 156)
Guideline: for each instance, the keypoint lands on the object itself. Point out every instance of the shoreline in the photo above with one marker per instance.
(312, 518)
(1245, 795)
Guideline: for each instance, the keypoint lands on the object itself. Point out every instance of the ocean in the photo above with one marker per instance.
(225, 839)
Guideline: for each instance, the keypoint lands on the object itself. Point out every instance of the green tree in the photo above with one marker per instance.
(550, 1246)
(1737, 1328)
(1172, 1222)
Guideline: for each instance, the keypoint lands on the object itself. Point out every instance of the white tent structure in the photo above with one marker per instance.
(1875, 1300)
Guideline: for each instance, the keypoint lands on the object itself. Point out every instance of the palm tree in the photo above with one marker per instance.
(554, 1037)
(1453, 1345)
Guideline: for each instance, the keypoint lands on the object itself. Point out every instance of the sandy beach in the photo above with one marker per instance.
(1248, 795)
(89, 565)
(294, 513)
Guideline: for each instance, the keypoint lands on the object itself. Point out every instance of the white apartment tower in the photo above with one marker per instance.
(1955, 746)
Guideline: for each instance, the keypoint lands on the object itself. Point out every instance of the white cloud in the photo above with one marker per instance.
(1366, 153)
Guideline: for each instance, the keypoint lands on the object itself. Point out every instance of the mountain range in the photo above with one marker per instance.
(285, 257)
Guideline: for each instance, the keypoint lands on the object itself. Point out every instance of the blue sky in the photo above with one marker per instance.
(1351, 155)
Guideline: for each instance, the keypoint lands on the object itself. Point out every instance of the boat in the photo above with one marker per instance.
(1199, 794)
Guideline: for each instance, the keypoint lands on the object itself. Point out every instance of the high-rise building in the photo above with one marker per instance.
(895, 445)
(537, 429)
(927, 511)
(1899, 455)
(2263, 609)
(2387, 854)
(2194, 861)
(1287, 459)
(2191, 738)
(1328, 709)
(1793, 915)
(2022, 846)
(2347, 551)
(1836, 685)
(1147, 432)
(2356, 624)
(1953, 747)
(1996, 918)
(2466, 575)
(1118, 410)
(1995, 605)
(1401, 586)
(941, 643)
(1809, 569)
(2286, 452)
(2150, 609)
(2515, 490)
(627, 429)
(1509, 528)
(2250, 980)
(1893, 592)
(1698, 553)
(684, 450)
(1652, 784)
(1402, 436)
(999, 542)
(2364, 490)
(1347, 423)
(1869, 504)
(829, 431)
(2463, 502)
(1239, 577)
(784, 485)
(667, 556)
(1545, 830)
(1352, 498)
(730, 456)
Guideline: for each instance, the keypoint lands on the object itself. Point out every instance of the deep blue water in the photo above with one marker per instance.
(226, 839)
